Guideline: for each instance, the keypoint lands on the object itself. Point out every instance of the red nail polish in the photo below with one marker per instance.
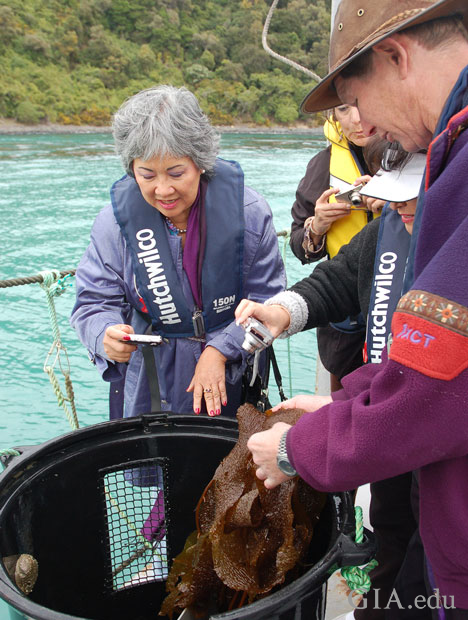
(218, 411)
(126, 338)
(212, 413)
(224, 403)
(197, 411)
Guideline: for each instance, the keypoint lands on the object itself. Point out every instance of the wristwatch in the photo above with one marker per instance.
(282, 458)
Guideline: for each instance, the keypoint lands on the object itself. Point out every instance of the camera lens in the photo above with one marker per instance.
(355, 198)
(250, 343)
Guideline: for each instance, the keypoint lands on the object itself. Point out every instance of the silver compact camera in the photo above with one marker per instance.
(351, 195)
(257, 336)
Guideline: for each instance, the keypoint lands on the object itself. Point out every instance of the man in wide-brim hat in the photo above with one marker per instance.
(360, 36)
(404, 64)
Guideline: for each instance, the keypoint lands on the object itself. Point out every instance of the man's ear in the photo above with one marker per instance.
(394, 52)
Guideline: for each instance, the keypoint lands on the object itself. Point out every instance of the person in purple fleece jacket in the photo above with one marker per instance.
(404, 64)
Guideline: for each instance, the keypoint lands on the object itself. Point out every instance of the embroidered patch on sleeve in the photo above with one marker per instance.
(430, 335)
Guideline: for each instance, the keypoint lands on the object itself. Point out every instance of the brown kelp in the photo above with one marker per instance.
(249, 539)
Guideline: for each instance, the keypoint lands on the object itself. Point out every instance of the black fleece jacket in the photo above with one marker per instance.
(341, 287)
(309, 190)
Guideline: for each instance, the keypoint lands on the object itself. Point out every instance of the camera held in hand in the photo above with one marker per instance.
(257, 336)
(352, 195)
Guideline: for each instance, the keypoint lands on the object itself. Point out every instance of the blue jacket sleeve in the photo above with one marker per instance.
(100, 292)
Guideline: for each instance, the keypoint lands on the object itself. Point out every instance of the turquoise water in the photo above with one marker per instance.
(51, 188)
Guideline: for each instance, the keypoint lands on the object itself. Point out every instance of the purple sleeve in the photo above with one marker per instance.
(388, 425)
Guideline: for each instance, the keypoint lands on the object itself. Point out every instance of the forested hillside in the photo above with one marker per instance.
(75, 61)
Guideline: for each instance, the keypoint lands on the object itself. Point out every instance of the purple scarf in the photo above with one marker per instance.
(195, 243)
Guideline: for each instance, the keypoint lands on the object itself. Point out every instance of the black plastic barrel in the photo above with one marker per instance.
(73, 504)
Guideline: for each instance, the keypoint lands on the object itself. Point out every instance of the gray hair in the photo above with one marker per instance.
(164, 120)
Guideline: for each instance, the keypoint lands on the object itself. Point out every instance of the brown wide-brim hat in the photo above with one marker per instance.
(360, 24)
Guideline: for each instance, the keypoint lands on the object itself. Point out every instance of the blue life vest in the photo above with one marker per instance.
(389, 271)
(144, 230)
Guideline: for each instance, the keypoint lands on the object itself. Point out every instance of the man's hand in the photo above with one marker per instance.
(264, 449)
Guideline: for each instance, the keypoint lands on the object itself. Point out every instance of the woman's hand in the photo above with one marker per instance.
(274, 317)
(209, 382)
(304, 401)
(328, 212)
(115, 349)
(264, 448)
(372, 204)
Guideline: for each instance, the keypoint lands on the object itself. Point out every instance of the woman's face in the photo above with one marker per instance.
(348, 117)
(169, 184)
(406, 211)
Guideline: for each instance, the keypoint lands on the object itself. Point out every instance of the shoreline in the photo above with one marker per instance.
(11, 127)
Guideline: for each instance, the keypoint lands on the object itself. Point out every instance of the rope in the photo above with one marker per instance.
(37, 279)
(54, 285)
(359, 524)
(357, 578)
(5, 454)
(268, 49)
(9, 452)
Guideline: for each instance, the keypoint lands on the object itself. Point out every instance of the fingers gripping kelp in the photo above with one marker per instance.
(248, 539)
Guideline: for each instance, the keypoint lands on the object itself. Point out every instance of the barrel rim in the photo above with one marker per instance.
(163, 423)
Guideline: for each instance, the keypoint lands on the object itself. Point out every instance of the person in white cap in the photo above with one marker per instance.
(404, 64)
(399, 187)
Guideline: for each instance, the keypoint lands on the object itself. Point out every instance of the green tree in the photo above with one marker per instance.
(8, 27)
(74, 61)
(196, 73)
(29, 113)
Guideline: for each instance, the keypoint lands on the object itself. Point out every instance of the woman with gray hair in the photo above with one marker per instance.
(182, 242)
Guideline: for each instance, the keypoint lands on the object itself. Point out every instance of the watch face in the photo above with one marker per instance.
(286, 467)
